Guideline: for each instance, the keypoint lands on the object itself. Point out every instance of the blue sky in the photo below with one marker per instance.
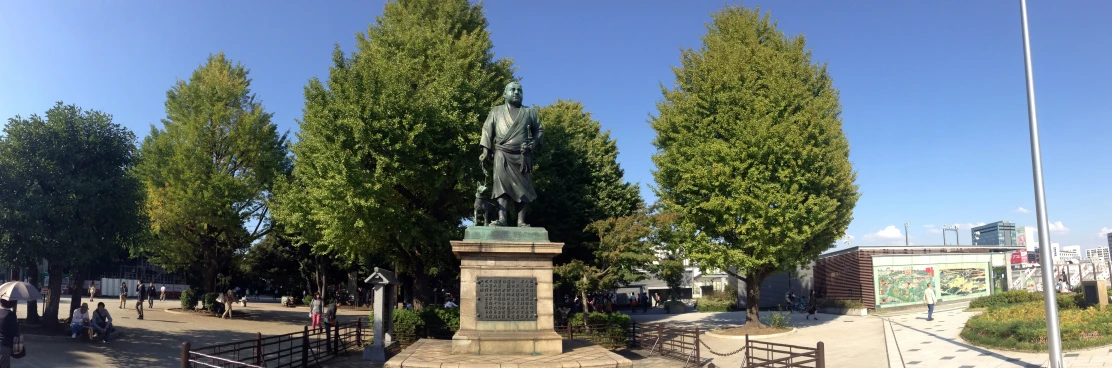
(932, 91)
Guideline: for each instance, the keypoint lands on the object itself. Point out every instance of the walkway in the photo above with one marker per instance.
(156, 340)
(915, 342)
(850, 341)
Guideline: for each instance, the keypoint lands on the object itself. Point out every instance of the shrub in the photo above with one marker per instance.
(1023, 327)
(438, 316)
(406, 323)
(718, 302)
(670, 303)
(210, 303)
(308, 299)
(778, 320)
(1013, 297)
(188, 299)
(616, 332)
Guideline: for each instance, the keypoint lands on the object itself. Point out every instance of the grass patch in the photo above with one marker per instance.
(1023, 327)
(717, 302)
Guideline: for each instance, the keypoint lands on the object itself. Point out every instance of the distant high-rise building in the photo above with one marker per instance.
(1070, 252)
(996, 233)
(1028, 237)
(1098, 254)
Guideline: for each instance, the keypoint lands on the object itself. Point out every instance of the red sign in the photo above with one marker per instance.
(1019, 256)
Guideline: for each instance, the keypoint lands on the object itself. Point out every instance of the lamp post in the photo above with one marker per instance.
(957, 235)
(1050, 303)
(905, 235)
(946, 228)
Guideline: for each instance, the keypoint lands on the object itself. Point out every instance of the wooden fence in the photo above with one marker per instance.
(298, 349)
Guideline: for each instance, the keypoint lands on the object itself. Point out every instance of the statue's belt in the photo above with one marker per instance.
(514, 149)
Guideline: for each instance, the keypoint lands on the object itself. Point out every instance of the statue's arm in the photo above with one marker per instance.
(538, 130)
(486, 138)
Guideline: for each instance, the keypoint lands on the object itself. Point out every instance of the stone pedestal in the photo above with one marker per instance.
(512, 269)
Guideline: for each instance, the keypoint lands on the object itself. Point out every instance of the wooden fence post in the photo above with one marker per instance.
(570, 334)
(697, 346)
(335, 337)
(305, 347)
(746, 359)
(820, 356)
(258, 348)
(358, 331)
(185, 354)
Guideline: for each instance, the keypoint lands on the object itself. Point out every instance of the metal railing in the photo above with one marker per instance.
(680, 344)
(297, 349)
(759, 354)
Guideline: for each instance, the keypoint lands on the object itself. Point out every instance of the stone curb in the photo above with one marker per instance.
(742, 337)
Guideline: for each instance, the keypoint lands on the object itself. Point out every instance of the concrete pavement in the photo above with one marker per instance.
(917, 342)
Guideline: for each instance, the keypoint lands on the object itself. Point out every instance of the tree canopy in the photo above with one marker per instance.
(751, 152)
(624, 250)
(209, 172)
(578, 179)
(385, 162)
(66, 192)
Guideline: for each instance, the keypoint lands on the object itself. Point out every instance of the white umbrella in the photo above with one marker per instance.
(19, 290)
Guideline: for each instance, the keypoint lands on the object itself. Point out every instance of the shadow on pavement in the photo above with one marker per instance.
(984, 352)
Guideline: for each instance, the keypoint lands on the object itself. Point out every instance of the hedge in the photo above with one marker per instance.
(1023, 327)
(188, 299)
(841, 303)
(719, 302)
(1013, 297)
(617, 325)
(211, 304)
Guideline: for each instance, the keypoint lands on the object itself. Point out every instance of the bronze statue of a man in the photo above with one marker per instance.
(511, 133)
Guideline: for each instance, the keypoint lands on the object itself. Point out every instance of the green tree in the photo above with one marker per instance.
(66, 193)
(623, 251)
(578, 179)
(752, 156)
(209, 172)
(386, 158)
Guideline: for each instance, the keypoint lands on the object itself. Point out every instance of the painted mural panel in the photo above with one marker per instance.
(960, 282)
(901, 285)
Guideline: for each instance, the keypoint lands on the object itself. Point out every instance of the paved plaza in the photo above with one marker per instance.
(156, 340)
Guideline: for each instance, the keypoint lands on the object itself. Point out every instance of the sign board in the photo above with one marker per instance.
(506, 299)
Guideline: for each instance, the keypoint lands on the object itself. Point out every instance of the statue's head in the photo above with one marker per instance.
(513, 93)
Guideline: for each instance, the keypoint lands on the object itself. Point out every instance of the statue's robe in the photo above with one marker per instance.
(504, 135)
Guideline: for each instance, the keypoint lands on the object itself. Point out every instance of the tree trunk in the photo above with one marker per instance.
(50, 317)
(33, 305)
(76, 291)
(753, 299)
(421, 291)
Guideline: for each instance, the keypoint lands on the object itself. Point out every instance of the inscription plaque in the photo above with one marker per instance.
(506, 299)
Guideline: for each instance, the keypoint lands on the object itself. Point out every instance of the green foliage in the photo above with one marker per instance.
(66, 192)
(781, 320)
(438, 316)
(671, 271)
(578, 179)
(188, 299)
(1065, 300)
(406, 322)
(387, 157)
(623, 248)
(615, 327)
(752, 157)
(717, 302)
(1023, 327)
(209, 171)
(210, 301)
(841, 303)
(307, 300)
(670, 303)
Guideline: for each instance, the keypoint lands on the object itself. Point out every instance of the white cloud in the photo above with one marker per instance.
(1057, 227)
(1104, 232)
(889, 235)
(1022, 210)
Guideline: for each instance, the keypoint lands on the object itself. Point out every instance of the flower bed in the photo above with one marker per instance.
(1023, 327)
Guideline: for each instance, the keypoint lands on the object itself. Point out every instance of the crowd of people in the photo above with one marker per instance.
(609, 302)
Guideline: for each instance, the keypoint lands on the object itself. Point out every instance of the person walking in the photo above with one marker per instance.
(150, 295)
(163, 297)
(656, 299)
(123, 294)
(812, 306)
(928, 296)
(141, 292)
(329, 321)
(92, 291)
(644, 302)
(316, 308)
(9, 329)
(229, 299)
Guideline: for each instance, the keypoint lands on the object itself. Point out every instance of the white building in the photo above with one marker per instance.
(1028, 236)
(1070, 252)
(1098, 254)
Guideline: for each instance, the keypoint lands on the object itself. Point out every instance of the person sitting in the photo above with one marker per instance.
(450, 304)
(102, 323)
(80, 320)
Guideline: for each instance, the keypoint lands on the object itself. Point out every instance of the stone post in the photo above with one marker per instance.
(384, 283)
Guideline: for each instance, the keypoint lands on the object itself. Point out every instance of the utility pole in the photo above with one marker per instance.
(905, 235)
(1050, 302)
